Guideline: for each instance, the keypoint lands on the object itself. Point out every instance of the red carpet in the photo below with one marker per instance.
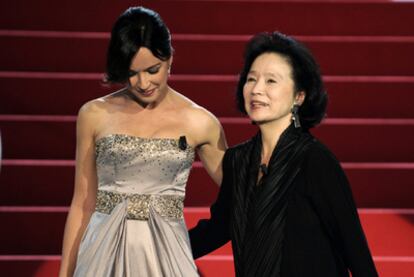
(52, 58)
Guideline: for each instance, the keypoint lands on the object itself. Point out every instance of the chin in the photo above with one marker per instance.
(260, 122)
(258, 117)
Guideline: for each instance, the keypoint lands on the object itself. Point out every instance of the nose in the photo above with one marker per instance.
(143, 82)
(258, 88)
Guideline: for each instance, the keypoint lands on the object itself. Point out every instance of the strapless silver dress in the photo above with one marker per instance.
(138, 227)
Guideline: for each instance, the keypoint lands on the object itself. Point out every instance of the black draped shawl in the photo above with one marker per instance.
(260, 208)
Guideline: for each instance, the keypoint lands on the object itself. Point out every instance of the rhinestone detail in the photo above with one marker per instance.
(170, 206)
(122, 148)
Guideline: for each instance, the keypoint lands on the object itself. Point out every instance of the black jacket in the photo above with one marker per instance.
(322, 234)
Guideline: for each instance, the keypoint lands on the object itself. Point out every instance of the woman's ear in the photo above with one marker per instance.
(170, 60)
(300, 98)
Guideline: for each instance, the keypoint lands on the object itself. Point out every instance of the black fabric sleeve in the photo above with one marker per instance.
(210, 234)
(332, 198)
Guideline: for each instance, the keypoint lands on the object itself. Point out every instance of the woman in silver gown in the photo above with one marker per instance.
(135, 148)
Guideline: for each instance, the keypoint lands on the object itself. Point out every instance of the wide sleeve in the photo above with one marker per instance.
(210, 234)
(332, 198)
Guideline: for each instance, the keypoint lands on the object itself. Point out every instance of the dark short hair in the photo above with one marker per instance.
(135, 28)
(305, 71)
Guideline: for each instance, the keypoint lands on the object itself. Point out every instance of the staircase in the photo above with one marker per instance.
(53, 56)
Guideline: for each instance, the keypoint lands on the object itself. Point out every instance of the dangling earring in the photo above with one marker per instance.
(295, 115)
(143, 34)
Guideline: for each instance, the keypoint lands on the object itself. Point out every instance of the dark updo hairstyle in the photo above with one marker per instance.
(305, 71)
(136, 27)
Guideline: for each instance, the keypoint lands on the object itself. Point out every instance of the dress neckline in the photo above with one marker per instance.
(97, 141)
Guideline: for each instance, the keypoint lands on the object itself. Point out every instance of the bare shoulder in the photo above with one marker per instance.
(92, 109)
(97, 108)
(204, 126)
(197, 116)
(202, 116)
(93, 114)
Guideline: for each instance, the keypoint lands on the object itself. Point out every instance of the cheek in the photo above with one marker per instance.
(246, 91)
(132, 81)
(161, 77)
(281, 95)
(246, 96)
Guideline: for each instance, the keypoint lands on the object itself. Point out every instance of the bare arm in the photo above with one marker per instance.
(212, 149)
(84, 197)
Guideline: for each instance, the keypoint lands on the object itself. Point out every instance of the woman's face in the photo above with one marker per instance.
(148, 76)
(269, 89)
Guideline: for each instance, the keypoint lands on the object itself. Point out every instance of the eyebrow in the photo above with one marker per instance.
(150, 67)
(278, 75)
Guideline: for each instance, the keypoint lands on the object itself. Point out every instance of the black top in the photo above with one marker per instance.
(322, 234)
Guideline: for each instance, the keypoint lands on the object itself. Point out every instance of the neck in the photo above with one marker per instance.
(271, 132)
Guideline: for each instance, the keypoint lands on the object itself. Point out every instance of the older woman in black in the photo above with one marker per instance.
(285, 202)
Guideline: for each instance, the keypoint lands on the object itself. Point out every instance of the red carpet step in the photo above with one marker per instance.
(50, 183)
(349, 97)
(337, 56)
(15, 240)
(352, 140)
(294, 17)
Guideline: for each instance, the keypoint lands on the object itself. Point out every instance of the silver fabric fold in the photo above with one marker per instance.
(104, 240)
(171, 243)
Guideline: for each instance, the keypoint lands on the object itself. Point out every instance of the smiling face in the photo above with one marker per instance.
(148, 76)
(269, 91)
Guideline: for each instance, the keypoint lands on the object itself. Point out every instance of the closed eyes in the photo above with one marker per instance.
(151, 70)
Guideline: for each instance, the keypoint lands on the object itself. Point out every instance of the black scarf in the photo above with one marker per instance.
(259, 211)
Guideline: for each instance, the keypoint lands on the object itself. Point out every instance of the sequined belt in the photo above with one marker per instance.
(170, 206)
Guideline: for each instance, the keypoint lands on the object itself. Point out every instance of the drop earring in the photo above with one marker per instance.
(295, 115)
(142, 34)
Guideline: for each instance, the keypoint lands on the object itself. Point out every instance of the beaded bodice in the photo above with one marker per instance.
(131, 164)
